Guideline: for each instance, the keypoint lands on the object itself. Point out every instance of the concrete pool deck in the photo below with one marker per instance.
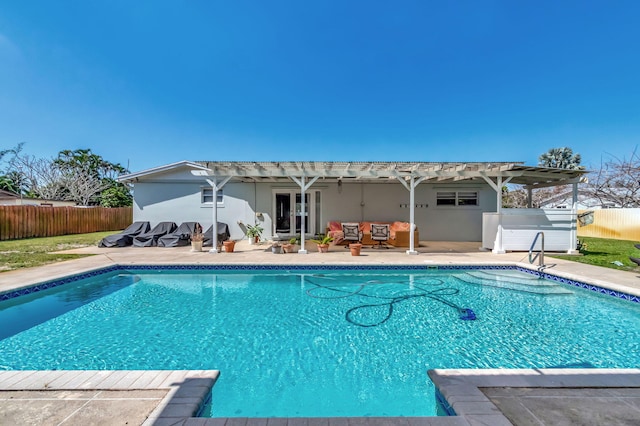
(490, 397)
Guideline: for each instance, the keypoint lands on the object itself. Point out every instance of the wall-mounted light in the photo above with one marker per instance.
(339, 185)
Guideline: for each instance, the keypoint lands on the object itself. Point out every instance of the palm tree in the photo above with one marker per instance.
(560, 158)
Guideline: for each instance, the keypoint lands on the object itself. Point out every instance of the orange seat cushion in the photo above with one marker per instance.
(399, 226)
(335, 226)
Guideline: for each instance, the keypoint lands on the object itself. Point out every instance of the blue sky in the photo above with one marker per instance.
(146, 83)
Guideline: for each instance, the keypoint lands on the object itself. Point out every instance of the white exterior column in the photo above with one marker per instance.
(411, 186)
(412, 217)
(215, 186)
(497, 186)
(573, 247)
(497, 245)
(303, 212)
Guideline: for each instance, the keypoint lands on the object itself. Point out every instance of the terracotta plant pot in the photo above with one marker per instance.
(355, 249)
(288, 248)
(323, 248)
(229, 246)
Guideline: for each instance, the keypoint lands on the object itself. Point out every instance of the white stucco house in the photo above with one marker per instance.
(445, 201)
(10, 199)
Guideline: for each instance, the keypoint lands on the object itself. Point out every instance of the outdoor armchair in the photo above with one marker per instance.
(351, 232)
(380, 233)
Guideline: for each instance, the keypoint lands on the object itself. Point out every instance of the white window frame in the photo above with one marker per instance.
(457, 197)
(204, 196)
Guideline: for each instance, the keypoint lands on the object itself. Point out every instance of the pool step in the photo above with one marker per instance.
(512, 277)
(505, 274)
(512, 283)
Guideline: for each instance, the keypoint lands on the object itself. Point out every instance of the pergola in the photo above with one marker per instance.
(408, 174)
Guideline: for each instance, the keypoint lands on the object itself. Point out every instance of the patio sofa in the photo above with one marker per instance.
(399, 233)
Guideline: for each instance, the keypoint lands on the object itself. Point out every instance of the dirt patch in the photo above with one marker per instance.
(69, 246)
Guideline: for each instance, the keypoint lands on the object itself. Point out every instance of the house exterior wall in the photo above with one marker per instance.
(176, 196)
(455, 223)
(17, 201)
(390, 202)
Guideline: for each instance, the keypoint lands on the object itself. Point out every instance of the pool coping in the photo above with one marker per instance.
(188, 390)
(598, 286)
(461, 389)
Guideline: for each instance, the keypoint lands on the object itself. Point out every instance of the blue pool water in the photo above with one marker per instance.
(318, 343)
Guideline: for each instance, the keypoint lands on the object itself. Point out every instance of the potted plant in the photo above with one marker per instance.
(197, 238)
(290, 247)
(229, 246)
(254, 232)
(355, 249)
(276, 248)
(323, 242)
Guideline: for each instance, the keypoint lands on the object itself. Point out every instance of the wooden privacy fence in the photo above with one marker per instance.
(38, 221)
(617, 224)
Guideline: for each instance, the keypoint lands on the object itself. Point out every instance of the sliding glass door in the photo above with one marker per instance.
(288, 215)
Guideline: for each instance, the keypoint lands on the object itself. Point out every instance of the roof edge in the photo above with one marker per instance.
(184, 163)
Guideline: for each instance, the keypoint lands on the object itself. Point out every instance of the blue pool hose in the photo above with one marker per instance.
(465, 314)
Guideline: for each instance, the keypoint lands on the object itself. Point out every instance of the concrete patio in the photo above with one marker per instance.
(490, 397)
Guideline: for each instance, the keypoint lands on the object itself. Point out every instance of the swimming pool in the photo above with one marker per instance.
(317, 341)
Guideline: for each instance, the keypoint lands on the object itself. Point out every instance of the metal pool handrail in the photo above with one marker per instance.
(540, 254)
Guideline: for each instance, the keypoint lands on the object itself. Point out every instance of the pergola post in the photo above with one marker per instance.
(411, 186)
(303, 212)
(497, 245)
(497, 186)
(215, 186)
(573, 243)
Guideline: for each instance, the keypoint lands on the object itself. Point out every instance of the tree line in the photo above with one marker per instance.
(87, 179)
(79, 175)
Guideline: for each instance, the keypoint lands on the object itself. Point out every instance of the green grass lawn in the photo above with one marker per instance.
(16, 254)
(602, 252)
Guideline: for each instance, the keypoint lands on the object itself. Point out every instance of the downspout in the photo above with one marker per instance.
(216, 187)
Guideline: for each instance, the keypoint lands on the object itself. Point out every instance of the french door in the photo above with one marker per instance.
(288, 217)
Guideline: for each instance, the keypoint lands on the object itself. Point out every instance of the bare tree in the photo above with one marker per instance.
(515, 196)
(9, 179)
(87, 175)
(40, 176)
(81, 187)
(617, 183)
